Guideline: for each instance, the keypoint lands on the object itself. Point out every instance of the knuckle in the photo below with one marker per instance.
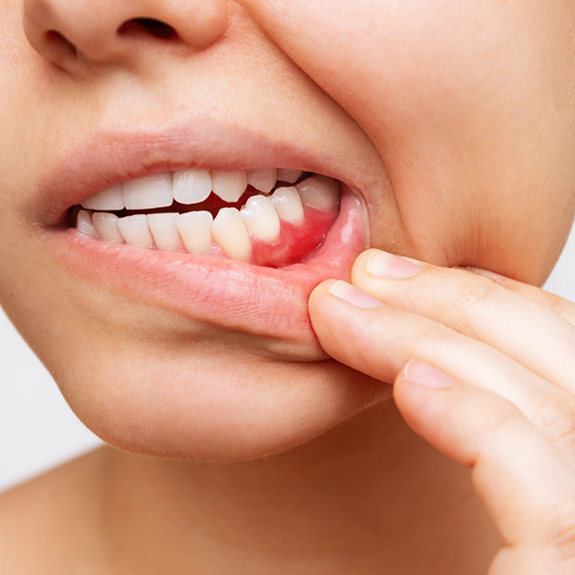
(560, 531)
(471, 292)
(557, 422)
(562, 308)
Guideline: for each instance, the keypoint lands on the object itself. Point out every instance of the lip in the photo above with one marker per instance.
(233, 295)
(109, 158)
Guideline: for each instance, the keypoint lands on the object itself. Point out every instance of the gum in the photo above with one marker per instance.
(296, 243)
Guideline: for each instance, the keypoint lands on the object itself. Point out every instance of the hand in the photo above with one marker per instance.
(483, 369)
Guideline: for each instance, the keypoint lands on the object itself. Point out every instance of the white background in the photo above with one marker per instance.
(38, 430)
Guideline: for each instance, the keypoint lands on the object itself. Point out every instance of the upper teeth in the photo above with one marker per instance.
(187, 187)
(197, 229)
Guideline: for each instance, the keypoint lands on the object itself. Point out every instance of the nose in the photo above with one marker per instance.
(103, 31)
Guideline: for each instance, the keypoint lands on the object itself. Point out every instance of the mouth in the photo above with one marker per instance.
(217, 241)
(267, 217)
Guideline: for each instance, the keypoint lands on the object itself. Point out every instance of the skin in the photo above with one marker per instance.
(458, 129)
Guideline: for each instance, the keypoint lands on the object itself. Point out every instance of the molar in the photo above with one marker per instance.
(319, 192)
(229, 186)
(106, 226)
(148, 193)
(287, 203)
(136, 231)
(231, 235)
(164, 230)
(110, 199)
(262, 219)
(196, 231)
(192, 186)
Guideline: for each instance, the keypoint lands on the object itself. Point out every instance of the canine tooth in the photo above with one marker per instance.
(263, 180)
(319, 192)
(84, 224)
(147, 193)
(164, 230)
(192, 186)
(231, 234)
(229, 186)
(196, 231)
(136, 231)
(287, 203)
(106, 200)
(106, 225)
(261, 219)
(288, 175)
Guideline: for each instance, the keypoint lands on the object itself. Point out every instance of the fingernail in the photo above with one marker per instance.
(425, 375)
(353, 295)
(487, 274)
(387, 266)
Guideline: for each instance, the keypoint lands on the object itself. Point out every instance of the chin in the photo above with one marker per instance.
(235, 406)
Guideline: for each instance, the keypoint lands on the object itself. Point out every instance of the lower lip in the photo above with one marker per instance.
(234, 295)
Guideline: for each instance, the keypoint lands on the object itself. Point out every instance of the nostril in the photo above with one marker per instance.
(61, 43)
(151, 26)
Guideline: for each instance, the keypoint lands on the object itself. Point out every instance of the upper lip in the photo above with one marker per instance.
(111, 157)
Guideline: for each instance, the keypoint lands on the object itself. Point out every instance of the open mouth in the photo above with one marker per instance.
(268, 217)
(212, 240)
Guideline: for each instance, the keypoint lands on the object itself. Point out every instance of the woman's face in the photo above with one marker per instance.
(448, 124)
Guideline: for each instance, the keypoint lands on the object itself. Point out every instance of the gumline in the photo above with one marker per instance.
(211, 205)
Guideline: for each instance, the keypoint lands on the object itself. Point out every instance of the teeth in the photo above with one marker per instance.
(84, 224)
(229, 186)
(288, 175)
(110, 199)
(319, 192)
(263, 180)
(107, 227)
(136, 231)
(150, 192)
(196, 231)
(192, 186)
(262, 219)
(287, 203)
(231, 234)
(164, 230)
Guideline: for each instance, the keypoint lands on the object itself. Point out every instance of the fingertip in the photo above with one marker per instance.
(422, 374)
(419, 393)
(322, 289)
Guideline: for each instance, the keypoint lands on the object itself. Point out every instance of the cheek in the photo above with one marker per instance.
(468, 106)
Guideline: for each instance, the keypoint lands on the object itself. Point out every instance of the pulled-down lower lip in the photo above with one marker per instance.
(234, 295)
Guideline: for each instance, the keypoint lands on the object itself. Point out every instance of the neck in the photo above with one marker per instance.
(368, 497)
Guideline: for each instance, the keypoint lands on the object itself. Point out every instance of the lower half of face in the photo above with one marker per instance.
(178, 206)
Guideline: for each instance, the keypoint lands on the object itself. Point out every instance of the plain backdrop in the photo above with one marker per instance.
(37, 429)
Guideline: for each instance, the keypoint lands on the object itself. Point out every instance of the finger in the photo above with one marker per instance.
(528, 490)
(477, 307)
(379, 341)
(554, 303)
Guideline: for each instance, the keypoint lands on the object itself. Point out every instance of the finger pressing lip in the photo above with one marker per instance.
(379, 340)
(475, 306)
